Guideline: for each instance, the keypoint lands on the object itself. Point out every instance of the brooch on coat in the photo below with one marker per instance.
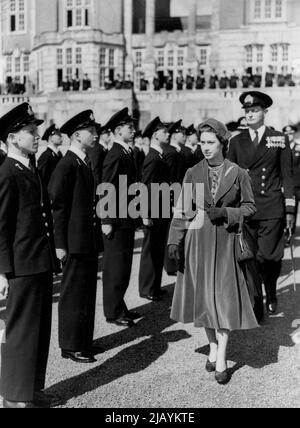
(276, 142)
(17, 165)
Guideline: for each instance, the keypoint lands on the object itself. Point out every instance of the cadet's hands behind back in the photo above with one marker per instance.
(4, 287)
(290, 221)
(107, 231)
(61, 254)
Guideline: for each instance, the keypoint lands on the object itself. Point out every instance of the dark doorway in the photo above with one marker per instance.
(139, 16)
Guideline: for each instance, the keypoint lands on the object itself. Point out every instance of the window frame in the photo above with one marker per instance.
(263, 9)
(71, 12)
(17, 13)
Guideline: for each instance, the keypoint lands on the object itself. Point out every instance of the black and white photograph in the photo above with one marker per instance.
(149, 195)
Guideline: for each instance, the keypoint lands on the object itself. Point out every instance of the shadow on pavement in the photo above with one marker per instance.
(135, 358)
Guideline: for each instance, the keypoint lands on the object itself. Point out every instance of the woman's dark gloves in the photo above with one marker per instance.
(176, 253)
(216, 214)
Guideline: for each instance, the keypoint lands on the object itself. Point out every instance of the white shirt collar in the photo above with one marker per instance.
(24, 161)
(103, 145)
(176, 146)
(157, 148)
(82, 156)
(53, 148)
(260, 131)
(124, 145)
(3, 147)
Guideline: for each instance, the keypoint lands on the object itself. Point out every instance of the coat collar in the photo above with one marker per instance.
(229, 176)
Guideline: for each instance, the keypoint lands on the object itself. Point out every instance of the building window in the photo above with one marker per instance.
(9, 67)
(102, 57)
(138, 59)
(17, 68)
(260, 53)
(274, 53)
(285, 53)
(78, 13)
(171, 58)
(161, 58)
(69, 56)
(111, 58)
(203, 56)
(108, 61)
(16, 16)
(268, 10)
(69, 63)
(180, 58)
(59, 57)
(249, 54)
(78, 56)
(26, 63)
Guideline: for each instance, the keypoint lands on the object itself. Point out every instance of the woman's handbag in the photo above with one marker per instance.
(242, 248)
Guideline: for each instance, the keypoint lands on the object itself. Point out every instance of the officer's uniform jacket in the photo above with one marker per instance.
(270, 168)
(176, 162)
(97, 156)
(119, 162)
(47, 163)
(296, 164)
(72, 192)
(26, 226)
(190, 157)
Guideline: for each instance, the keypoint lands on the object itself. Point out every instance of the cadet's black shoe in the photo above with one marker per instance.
(210, 367)
(21, 405)
(44, 399)
(272, 308)
(222, 378)
(78, 357)
(121, 322)
(133, 315)
(151, 298)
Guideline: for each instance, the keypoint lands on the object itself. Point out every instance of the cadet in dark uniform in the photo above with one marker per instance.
(213, 79)
(98, 153)
(224, 81)
(180, 81)
(175, 159)
(200, 80)
(118, 232)
(266, 154)
(233, 81)
(49, 159)
(138, 153)
(190, 80)
(291, 131)
(270, 78)
(27, 263)
(198, 152)
(156, 171)
(190, 147)
(257, 80)
(77, 239)
(3, 154)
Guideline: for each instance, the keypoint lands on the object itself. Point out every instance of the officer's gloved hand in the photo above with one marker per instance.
(217, 214)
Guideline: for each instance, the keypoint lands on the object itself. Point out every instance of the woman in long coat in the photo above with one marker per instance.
(211, 289)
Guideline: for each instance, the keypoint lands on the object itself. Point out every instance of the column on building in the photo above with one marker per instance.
(149, 63)
(128, 29)
(215, 35)
(192, 30)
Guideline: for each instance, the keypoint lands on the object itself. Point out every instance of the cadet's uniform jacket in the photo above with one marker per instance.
(2, 156)
(73, 200)
(97, 157)
(176, 162)
(270, 168)
(190, 157)
(119, 162)
(26, 226)
(47, 163)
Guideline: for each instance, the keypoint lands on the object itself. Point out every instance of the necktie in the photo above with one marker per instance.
(31, 166)
(256, 140)
(88, 163)
(59, 154)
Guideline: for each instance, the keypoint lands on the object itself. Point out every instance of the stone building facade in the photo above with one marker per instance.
(44, 41)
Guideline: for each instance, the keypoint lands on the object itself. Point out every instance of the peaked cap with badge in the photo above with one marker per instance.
(52, 130)
(118, 119)
(83, 120)
(254, 99)
(191, 130)
(16, 119)
(152, 127)
(176, 128)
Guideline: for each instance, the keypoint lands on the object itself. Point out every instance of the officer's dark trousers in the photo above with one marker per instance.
(77, 303)
(117, 263)
(269, 238)
(28, 329)
(152, 259)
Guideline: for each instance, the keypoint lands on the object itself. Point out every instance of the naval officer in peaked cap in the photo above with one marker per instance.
(27, 263)
(52, 155)
(266, 154)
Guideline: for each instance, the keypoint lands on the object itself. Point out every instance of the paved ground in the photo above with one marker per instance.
(161, 364)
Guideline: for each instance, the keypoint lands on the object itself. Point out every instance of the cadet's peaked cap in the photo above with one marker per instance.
(290, 128)
(119, 119)
(16, 119)
(138, 134)
(217, 126)
(152, 127)
(52, 130)
(191, 130)
(176, 128)
(255, 98)
(82, 120)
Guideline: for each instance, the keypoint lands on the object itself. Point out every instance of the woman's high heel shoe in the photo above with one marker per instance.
(222, 377)
(210, 367)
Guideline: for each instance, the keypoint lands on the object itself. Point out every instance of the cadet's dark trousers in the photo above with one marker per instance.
(117, 263)
(152, 259)
(268, 236)
(28, 329)
(77, 303)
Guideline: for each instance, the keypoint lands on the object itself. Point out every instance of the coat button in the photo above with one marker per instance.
(262, 192)
(264, 169)
(263, 185)
(44, 215)
(46, 224)
(263, 177)
(48, 235)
